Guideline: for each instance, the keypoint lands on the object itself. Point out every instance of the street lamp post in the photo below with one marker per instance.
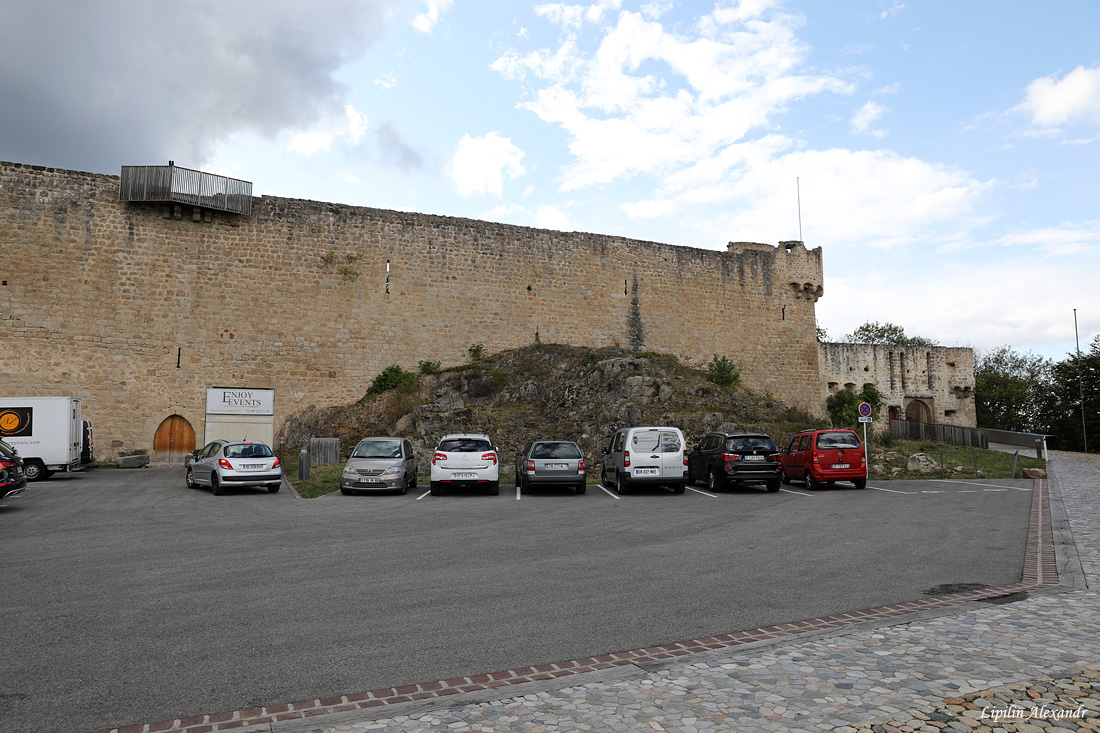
(1080, 383)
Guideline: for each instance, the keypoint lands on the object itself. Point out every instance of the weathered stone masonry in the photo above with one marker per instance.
(137, 308)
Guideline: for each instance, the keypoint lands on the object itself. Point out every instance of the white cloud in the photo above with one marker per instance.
(352, 127)
(649, 101)
(480, 164)
(386, 81)
(864, 116)
(433, 11)
(550, 217)
(893, 10)
(1051, 103)
(571, 17)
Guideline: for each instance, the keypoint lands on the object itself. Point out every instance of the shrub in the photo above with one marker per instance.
(476, 351)
(429, 367)
(723, 372)
(391, 377)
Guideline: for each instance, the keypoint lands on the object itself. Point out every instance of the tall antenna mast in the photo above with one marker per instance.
(798, 190)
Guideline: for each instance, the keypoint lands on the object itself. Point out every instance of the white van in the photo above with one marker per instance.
(47, 431)
(637, 456)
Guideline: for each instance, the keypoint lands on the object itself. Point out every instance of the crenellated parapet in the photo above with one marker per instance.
(800, 269)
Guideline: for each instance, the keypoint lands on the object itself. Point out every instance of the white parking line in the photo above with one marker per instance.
(713, 496)
(517, 492)
(930, 492)
(608, 492)
(424, 494)
(994, 489)
(892, 491)
(989, 486)
(796, 492)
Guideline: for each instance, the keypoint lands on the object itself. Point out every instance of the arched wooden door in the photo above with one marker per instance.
(918, 411)
(175, 438)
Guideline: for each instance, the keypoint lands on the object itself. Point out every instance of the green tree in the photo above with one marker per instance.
(723, 372)
(1061, 409)
(1010, 388)
(873, 332)
(822, 334)
(843, 406)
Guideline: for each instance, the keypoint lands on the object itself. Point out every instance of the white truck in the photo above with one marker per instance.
(48, 432)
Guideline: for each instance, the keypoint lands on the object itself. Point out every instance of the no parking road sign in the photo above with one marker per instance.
(864, 412)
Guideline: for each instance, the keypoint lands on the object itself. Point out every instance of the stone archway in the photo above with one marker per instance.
(918, 411)
(174, 439)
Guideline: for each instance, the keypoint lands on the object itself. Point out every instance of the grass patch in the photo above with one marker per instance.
(990, 463)
(322, 479)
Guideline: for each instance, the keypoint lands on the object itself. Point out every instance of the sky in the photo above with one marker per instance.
(945, 156)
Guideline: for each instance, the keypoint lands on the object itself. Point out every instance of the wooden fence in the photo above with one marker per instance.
(936, 433)
(324, 451)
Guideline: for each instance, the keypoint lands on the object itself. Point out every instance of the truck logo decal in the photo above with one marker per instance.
(16, 421)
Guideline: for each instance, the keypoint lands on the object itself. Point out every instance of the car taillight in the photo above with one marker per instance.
(225, 464)
(626, 458)
(439, 457)
(731, 457)
(580, 465)
(816, 457)
(863, 458)
(773, 457)
(489, 457)
(685, 457)
(6, 464)
(530, 466)
(276, 464)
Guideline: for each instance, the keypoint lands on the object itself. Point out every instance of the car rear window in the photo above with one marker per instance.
(837, 440)
(659, 441)
(248, 450)
(555, 450)
(464, 445)
(750, 443)
(378, 449)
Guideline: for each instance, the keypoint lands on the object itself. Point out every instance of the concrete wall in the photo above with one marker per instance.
(941, 378)
(137, 308)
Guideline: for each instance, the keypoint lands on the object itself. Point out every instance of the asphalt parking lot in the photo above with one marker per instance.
(128, 598)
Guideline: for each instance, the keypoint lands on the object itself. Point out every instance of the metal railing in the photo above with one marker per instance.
(937, 433)
(173, 184)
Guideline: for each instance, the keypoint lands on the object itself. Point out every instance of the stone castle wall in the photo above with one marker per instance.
(137, 308)
(938, 377)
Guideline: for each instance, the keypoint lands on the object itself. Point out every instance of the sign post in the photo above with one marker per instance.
(864, 417)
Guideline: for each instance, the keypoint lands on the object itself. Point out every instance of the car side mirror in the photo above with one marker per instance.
(605, 450)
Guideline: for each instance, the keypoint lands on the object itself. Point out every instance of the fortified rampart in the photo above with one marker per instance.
(138, 308)
(930, 384)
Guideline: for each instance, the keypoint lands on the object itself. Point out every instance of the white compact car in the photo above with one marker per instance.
(466, 460)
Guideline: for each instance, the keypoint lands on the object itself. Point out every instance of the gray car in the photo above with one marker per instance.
(380, 464)
(243, 463)
(547, 462)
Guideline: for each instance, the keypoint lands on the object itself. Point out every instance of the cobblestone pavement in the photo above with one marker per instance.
(1023, 663)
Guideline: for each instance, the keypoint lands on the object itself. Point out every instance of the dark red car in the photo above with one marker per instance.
(825, 456)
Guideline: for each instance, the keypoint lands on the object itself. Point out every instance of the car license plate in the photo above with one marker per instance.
(645, 471)
(369, 481)
(555, 466)
(464, 474)
(252, 465)
(840, 465)
(754, 458)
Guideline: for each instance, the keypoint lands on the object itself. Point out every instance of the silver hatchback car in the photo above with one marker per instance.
(244, 463)
(380, 464)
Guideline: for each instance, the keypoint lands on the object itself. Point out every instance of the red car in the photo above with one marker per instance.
(825, 456)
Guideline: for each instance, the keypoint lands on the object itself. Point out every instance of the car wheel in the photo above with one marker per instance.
(690, 480)
(621, 485)
(494, 488)
(33, 470)
(860, 483)
(811, 483)
(436, 490)
(215, 485)
(679, 488)
(773, 485)
(274, 488)
(581, 487)
(784, 478)
(604, 481)
(191, 479)
(712, 481)
(404, 488)
(412, 484)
